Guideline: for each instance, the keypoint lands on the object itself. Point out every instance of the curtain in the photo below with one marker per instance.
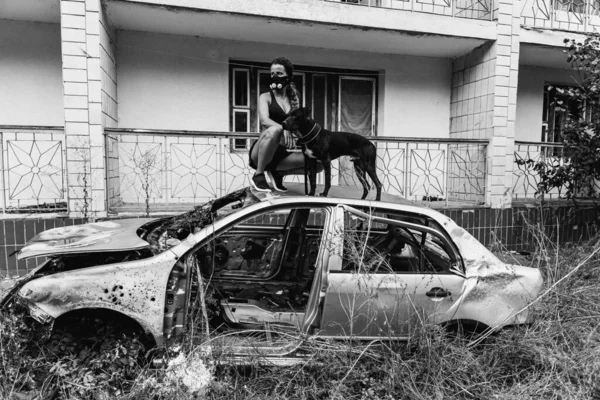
(356, 115)
(356, 106)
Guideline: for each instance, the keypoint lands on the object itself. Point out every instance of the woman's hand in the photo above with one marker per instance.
(288, 139)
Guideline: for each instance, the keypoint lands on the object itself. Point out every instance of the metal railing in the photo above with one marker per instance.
(473, 9)
(33, 163)
(167, 168)
(567, 15)
(525, 178)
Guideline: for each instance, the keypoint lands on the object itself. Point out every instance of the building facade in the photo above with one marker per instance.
(118, 106)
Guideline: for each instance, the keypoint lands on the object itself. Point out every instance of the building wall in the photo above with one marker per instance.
(473, 84)
(530, 99)
(30, 74)
(177, 82)
(108, 65)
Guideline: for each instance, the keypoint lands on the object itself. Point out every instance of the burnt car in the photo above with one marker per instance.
(324, 267)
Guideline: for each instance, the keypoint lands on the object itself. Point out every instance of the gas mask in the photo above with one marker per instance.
(278, 82)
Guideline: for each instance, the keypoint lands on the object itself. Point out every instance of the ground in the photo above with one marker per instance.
(556, 357)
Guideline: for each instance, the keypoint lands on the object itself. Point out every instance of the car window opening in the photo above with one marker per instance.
(262, 269)
(394, 243)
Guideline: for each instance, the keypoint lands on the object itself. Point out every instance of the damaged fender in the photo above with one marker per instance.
(494, 292)
(135, 289)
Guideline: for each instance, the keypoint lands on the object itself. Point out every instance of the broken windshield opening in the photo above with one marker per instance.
(166, 233)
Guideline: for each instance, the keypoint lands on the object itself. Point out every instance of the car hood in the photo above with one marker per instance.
(117, 235)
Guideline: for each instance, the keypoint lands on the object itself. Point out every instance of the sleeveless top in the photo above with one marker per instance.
(276, 113)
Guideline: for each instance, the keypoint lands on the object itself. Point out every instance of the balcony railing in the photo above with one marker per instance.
(33, 163)
(164, 169)
(525, 179)
(473, 9)
(567, 15)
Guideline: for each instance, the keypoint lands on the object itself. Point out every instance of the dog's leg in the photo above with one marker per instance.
(360, 173)
(312, 162)
(371, 169)
(306, 161)
(327, 169)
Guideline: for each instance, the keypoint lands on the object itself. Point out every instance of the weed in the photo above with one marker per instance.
(556, 357)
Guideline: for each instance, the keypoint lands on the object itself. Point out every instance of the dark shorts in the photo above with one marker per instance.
(279, 155)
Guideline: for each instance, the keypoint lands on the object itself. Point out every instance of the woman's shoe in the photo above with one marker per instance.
(277, 180)
(260, 183)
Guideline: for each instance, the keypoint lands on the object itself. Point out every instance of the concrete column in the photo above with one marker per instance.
(484, 101)
(89, 88)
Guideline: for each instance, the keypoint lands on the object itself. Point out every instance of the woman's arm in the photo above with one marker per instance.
(265, 121)
(263, 111)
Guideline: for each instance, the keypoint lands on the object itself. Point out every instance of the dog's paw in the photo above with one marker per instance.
(323, 195)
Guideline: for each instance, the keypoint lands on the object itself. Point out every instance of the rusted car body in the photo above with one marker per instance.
(334, 267)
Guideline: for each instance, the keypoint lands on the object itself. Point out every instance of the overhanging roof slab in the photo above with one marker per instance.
(308, 23)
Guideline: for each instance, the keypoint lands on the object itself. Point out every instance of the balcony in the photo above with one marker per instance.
(482, 10)
(161, 171)
(565, 15)
(433, 28)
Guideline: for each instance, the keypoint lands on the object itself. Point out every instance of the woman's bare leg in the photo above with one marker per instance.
(263, 151)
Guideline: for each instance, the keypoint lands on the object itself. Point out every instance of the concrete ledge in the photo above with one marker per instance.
(334, 12)
(547, 37)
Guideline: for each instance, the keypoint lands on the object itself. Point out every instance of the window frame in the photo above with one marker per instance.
(456, 261)
(373, 104)
(268, 228)
(331, 104)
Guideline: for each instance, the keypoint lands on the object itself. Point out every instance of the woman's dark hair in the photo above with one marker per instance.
(291, 90)
(287, 65)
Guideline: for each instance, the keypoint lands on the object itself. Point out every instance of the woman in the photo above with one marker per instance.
(270, 153)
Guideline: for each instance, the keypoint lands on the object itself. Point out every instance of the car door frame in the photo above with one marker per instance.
(326, 252)
(387, 281)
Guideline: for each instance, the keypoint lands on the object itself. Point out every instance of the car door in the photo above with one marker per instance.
(398, 272)
(264, 278)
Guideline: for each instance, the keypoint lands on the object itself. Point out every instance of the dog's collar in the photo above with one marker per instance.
(306, 138)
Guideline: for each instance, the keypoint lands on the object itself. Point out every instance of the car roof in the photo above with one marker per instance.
(339, 192)
(345, 195)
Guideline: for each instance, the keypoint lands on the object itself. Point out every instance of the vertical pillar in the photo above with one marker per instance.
(484, 101)
(89, 88)
(502, 141)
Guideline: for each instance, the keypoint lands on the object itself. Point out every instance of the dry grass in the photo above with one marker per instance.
(557, 357)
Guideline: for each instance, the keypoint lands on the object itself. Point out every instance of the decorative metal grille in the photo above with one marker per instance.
(33, 169)
(525, 179)
(473, 9)
(191, 169)
(568, 15)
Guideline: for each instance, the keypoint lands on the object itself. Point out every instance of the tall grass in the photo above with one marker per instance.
(556, 357)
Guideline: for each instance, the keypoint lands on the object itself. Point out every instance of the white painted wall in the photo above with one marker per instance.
(30, 74)
(530, 99)
(181, 82)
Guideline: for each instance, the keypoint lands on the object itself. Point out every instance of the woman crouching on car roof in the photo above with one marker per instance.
(271, 153)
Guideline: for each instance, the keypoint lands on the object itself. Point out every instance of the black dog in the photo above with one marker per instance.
(325, 145)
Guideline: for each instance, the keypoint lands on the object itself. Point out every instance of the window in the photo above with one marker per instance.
(375, 243)
(262, 246)
(260, 272)
(240, 112)
(357, 105)
(553, 120)
(321, 89)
